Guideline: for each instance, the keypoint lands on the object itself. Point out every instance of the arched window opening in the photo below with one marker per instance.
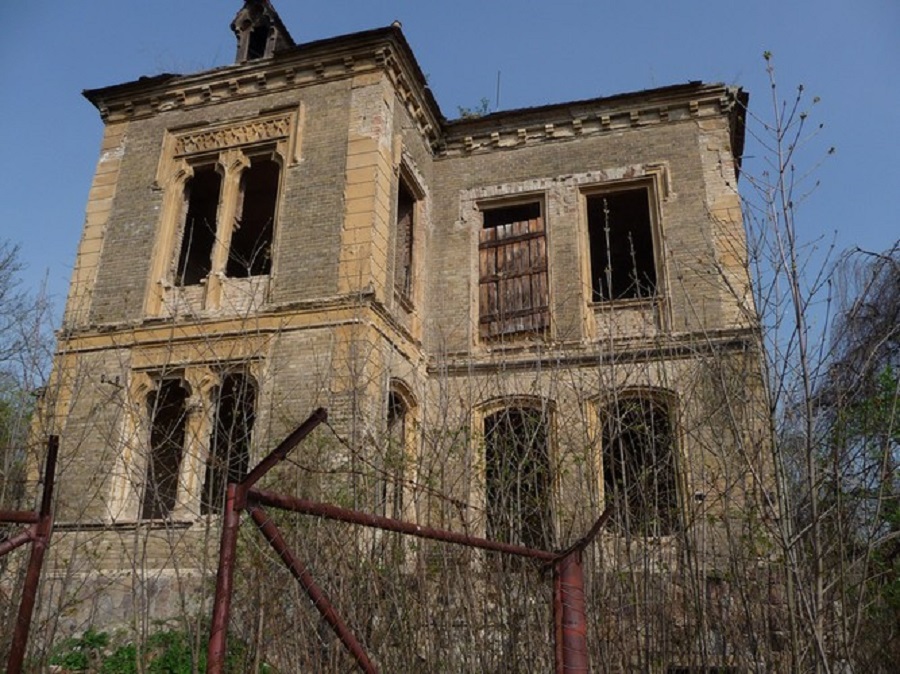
(390, 482)
(517, 477)
(229, 444)
(168, 415)
(250, 253)
(639, 473)
(199, 234)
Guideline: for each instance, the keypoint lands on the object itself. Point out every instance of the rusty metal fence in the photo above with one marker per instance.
(38, 535)
(570, 627)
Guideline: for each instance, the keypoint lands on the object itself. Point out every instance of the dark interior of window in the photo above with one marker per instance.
(517, 476)
(250, 253)
(621, 238)
(406, 206)
(229, 445)
(389, 495)
(256, 46)
(167, 414)
(638, 467)
(496, 217)
(202, 196)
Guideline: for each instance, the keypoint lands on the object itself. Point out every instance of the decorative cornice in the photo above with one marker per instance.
(386, 50)
(306, 65)
(566, 121)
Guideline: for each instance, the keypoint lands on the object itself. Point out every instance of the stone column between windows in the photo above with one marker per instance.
(233, 163)
(197, 430)
(172, 219)
(130, 472)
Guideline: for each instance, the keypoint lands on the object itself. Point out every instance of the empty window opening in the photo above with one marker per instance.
(259, 38)
(250, 253)
(513, 286)
(229, 444)
(623, 264)
(639, 473)
(199, 235)
(517, 477)
(168, 415)
(389, 484)
(403, 255)
(506, 215)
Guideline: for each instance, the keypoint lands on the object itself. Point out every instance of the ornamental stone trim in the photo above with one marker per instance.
(243, 134)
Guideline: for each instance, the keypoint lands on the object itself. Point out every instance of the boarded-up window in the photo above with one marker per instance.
(517, 477)
(639, 475)
(623, 264)
(167, 415)
(403, 253)
(513, 287)
(199, 233)
(250, 253)
(229, 443)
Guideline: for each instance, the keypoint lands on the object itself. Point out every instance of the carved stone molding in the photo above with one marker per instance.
(232, 136)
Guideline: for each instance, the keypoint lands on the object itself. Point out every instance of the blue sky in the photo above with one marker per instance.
(846, 53)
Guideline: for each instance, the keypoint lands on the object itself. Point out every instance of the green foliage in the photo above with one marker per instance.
(121, 661)
(480, 110)
(168, 651)
(77, 653)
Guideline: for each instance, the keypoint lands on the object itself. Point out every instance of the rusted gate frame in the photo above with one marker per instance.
(570, 626)
(38, 534)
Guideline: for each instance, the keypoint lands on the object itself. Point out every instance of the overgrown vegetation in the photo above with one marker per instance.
(483, 108)
(165, 651)
(831, 350)
(26, 343)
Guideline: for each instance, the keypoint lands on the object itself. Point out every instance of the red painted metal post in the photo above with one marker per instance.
(334, 512)
(20, 516)
(558, 657)
(215, 655)
(281, 451)
(569, 616)
(314, 592)
(18, 540)
(235, 502)
(41, 540)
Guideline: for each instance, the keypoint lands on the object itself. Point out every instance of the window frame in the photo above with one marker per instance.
(396, 462)
(210, 502)
(649, 184)
(658, 398)
(265, 155)
(202, 385)
(545, 409)
(406, 293)
(232, 146)
(533, 321)
(155, 505)
(176, 271)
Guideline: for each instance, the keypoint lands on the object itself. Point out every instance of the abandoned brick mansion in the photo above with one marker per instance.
(514, 320)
